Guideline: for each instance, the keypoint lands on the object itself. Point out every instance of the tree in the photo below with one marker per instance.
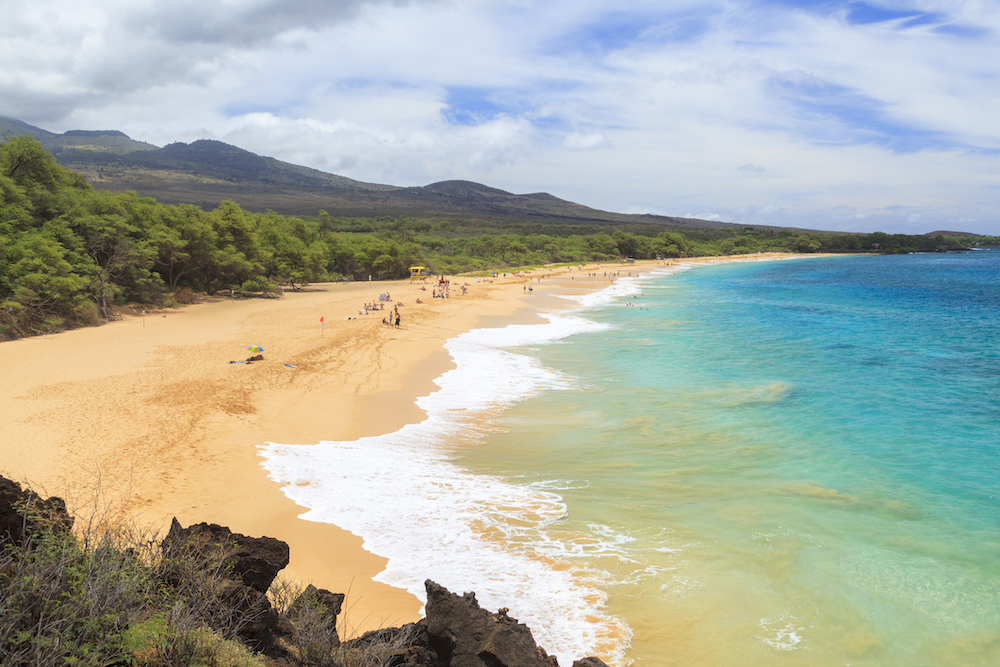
(806, 243)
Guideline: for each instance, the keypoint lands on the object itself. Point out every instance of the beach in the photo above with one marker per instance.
(147, 416)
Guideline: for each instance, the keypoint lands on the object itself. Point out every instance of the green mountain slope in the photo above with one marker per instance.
(206, 172)
(84, 141)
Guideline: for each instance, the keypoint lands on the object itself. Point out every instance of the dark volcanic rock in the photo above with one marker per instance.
(256, 561)
(252, 563)
(463, 635)
(589, 662)
(406, 646)
(317, 600)
(331, 603)
(22, 513)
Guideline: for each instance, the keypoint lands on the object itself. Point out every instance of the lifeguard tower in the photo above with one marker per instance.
(417, 272)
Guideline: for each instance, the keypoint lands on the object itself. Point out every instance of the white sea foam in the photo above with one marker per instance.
(432, 519)
(781, 631)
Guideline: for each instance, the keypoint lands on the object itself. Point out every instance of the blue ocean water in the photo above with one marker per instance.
(760, 463)
(781, 463)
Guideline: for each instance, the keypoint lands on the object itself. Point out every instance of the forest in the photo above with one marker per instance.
(72, 255)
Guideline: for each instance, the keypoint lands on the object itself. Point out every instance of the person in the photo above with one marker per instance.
(397, 320)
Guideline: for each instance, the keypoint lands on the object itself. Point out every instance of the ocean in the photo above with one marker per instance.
(758, 463)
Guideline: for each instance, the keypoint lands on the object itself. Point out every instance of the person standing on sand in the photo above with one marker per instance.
(397, 319)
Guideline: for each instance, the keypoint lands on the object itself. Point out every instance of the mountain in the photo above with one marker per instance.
(946, 233)
(85, 141)
(206, 172)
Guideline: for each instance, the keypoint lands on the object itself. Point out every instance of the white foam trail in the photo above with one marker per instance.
(432, 519)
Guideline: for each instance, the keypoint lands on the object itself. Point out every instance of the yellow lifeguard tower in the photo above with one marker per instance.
(417, 272)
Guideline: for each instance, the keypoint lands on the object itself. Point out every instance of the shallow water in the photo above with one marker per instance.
(780, 463)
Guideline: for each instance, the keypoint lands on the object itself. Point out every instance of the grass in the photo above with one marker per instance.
(111, 593)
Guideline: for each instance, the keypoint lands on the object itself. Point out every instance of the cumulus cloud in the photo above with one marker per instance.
(235, 23)
(854, 108)
(582, 142)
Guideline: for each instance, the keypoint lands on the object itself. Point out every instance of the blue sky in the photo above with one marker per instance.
(831, 115)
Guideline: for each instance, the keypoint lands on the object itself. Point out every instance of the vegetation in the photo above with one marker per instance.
(112, 594)
(71, 255)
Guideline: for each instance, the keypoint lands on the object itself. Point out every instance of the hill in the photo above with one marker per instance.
(207, 172)
(111, 142)
(946, 233)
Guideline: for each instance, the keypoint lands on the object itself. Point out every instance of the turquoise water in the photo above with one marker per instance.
(781, 463)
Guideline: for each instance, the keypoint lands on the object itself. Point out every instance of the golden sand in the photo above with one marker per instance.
(149, 412)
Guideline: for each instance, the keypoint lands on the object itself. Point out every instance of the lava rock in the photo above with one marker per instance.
(256, 561)
(464, 635)
(23, 513)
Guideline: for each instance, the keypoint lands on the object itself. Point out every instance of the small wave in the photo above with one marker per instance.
(430, 518)
(560, 484)
(781, 631)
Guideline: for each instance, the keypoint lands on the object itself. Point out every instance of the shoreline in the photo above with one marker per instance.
(145, 417)
(148, 412)
(306, 470)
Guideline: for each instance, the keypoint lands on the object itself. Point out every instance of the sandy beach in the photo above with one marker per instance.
(149, 414)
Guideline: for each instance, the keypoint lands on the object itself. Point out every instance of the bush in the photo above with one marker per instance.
(88, 598)
(111, 593)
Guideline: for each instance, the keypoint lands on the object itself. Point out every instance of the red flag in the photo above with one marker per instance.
(321, 319)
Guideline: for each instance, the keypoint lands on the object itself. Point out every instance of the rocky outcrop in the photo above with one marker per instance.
(23, 513)
(256, 561)
(229, 575)
(589, 662)
(331, 603)
(316, 607)
(406, 646)
(251, 563)
(457, 632)
(464, 635)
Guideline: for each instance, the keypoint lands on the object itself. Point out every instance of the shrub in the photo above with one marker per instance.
(109, 593)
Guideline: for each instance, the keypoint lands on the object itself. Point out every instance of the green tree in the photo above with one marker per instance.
(806, 243)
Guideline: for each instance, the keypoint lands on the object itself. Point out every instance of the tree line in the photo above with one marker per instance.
(71, 254)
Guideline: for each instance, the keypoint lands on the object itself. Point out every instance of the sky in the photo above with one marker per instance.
(854, 116)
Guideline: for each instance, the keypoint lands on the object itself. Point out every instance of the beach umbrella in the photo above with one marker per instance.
(255, 349)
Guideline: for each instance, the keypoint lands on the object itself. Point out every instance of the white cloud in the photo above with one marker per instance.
(827, 122)
(583, 142)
